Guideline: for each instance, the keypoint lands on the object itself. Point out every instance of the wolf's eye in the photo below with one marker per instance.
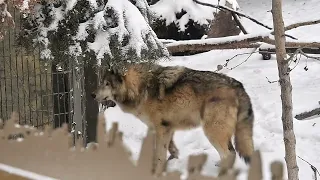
(107, 83)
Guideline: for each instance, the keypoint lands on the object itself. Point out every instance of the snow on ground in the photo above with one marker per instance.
(265, 96)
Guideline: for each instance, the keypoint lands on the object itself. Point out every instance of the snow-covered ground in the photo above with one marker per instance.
(265, 96)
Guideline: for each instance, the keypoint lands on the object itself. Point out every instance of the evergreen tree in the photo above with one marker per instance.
(111, 31)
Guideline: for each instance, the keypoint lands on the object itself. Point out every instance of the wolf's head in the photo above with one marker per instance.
(110, 86)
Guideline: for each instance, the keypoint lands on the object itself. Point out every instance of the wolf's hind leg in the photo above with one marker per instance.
(219, 120)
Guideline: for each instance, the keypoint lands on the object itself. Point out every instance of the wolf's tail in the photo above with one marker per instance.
(244, 127)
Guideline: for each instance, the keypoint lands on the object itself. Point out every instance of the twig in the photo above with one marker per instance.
(296, 63)
(314, 169)
(308, 56)
(244, 60)
(271, 81)
(239, 14)
(228, 60)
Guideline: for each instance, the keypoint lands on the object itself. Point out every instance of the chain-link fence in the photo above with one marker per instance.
(42, 92)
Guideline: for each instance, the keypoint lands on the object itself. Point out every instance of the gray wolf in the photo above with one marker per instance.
(177, 98)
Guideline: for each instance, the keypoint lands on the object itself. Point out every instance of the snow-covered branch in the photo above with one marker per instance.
(231, 42)
(234, 42)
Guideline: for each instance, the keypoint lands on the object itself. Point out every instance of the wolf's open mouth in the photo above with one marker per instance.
(108, 103)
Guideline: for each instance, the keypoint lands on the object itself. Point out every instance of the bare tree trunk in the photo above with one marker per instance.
(286, 92)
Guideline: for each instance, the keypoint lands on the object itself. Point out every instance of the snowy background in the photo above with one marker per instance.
(265, 96)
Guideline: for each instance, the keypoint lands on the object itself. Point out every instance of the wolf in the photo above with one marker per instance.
(170, 98)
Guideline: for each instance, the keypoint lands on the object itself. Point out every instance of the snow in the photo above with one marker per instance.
(70, 4)
(265, 96)
(23, 173)
(130, 24)
(167, 9)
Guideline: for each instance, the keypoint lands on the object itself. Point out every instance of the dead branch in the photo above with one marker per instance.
(296, 25)
(239, 14)
(236, 19)
(300, 24)
(314, 169)
(308, 114)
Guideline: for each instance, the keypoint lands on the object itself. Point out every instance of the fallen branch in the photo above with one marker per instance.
(197, 46)
(308, 114)
(246, 41)
(239, 14)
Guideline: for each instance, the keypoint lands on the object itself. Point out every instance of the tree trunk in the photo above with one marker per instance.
(286, 92)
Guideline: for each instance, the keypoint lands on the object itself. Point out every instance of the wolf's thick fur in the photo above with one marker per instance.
(177, 98)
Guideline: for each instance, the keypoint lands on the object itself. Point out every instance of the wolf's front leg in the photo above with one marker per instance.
(163, 137)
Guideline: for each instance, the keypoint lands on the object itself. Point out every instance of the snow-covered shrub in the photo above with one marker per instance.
(184, 19)
(110, 32)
